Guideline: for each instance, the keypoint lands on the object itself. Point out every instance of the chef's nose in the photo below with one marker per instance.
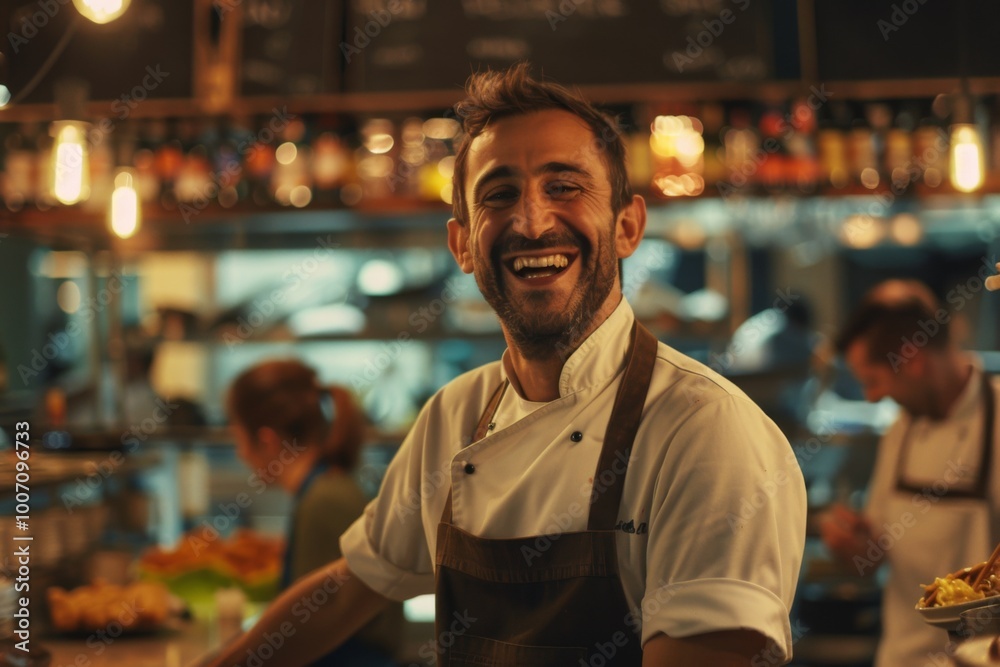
(533, 215)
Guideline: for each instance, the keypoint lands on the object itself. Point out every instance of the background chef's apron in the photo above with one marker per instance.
(951, 528)
(568, 604)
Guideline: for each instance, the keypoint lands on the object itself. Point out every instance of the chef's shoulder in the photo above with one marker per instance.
(682, 387)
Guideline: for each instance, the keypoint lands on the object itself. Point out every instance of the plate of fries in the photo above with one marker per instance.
(968, 588)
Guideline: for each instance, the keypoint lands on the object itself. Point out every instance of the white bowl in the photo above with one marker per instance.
(947, 617)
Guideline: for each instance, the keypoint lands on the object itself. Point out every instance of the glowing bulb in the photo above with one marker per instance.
(286, 153)
(966, 158)
(101, 11)
(70, 164)
(124, 206)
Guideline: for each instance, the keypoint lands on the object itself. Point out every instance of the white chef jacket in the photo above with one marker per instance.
(926, 535)
(712, 518)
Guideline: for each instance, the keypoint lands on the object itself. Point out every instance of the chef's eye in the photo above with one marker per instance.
(500, 196)
(561, 189)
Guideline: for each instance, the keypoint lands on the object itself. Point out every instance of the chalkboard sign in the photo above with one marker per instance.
(900, 39)
(290, 47)
(419, 44)
(145, 53)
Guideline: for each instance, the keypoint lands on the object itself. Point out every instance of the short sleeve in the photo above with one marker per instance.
(727, 528)
(387, 547)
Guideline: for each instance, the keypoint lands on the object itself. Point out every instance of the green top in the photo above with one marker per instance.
(331, 504)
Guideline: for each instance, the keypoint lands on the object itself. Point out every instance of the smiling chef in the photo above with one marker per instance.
(592, 498)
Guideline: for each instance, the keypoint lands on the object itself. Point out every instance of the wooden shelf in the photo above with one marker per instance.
(439, 100)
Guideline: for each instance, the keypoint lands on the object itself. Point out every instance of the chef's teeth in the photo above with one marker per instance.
(558, 261)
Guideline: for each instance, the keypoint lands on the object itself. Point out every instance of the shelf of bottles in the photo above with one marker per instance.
(176, 168)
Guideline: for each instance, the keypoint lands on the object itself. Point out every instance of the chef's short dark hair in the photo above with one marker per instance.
(493, 95)
(887, 328)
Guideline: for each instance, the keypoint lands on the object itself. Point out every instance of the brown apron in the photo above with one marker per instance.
(567, 607)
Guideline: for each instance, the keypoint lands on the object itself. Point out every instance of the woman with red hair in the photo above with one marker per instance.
(307, 439)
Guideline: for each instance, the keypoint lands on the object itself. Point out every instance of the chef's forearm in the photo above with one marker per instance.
(315, 615)
(730, 648)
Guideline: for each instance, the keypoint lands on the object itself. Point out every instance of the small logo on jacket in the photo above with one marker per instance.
(631, 529)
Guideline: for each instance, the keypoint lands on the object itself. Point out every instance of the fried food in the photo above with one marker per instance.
(246, 556)
(143, 605)
(960, 586)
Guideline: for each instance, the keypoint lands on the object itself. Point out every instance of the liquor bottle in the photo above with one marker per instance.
(291, 180)
(803, 170)
(259, 161)
(773, 158)
(167, 161)
(741, 147)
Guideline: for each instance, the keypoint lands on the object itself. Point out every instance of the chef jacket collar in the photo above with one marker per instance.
(968, 401)
(596, 361)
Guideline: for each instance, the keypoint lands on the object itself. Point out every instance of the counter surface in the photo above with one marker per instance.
(182, 644)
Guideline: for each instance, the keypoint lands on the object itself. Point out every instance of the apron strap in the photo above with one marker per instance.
(622, 427)
(609, 478)
(484, 427)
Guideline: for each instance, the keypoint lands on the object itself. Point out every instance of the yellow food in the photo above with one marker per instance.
(957, 587)
(955, 591)
(114, 609)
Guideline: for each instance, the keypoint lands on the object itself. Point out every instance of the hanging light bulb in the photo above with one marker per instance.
(966, 167)
(101, 11)
(70, 163)
(124, 205)
(966, 164)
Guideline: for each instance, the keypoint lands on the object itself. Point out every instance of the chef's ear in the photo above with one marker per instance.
(458, 243)
(631, 226)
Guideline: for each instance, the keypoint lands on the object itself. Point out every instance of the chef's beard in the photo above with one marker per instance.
(538, 332)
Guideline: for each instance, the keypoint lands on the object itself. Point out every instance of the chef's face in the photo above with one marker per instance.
(541, 238)
(879, 379)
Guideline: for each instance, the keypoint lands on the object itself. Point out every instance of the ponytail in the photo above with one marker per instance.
(347, 432)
